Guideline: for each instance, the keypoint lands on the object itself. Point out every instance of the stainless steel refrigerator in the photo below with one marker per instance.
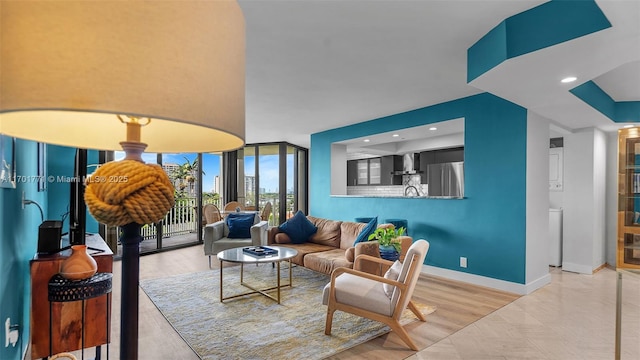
(446, 179)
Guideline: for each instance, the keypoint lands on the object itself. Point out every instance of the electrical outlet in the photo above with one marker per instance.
(463, 262)
(11, 333)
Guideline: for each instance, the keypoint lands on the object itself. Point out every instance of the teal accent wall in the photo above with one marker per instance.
(487, 226)
(19, 231)
(628, 111)
(618, 111)
(488, 52)
(545, 25)
(18, 244)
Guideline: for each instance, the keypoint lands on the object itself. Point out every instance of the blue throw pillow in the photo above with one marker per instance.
(240, 225)
(367, 230)
(299, 228)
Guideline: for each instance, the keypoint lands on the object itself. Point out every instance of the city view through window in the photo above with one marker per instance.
(181, 223)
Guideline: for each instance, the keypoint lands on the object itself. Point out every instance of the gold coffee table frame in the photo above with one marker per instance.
(236, 255)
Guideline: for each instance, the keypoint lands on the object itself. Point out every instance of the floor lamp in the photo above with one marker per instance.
(90, 74)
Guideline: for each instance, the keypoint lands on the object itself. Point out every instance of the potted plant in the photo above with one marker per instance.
(387, 239)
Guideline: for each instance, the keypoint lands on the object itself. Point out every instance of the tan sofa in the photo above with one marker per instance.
(331, 246)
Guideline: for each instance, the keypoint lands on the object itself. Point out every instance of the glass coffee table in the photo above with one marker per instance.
(238, 255)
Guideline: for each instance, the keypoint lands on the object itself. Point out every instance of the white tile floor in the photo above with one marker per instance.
(571, 318)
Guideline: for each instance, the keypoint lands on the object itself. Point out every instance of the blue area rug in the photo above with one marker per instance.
(254, 327)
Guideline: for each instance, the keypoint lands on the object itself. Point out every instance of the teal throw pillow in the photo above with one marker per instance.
(240, 225)
(299, 228)
(367, 230)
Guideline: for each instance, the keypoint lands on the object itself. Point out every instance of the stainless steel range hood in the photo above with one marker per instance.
(410, 164)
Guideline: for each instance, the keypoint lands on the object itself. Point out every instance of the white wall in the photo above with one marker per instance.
(599, 198)
(584, 200)
(537, 228)
(338, 169)
(611, 217)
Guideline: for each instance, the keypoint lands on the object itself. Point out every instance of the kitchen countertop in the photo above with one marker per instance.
(401, 197)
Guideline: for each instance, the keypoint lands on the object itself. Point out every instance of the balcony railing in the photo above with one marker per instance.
(181, 219)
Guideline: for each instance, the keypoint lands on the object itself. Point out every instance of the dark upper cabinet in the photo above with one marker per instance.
(374, 171)
(449, 155)
(352, 172)
(363, 172)
(391, 164)
(426, 158)
(441, 156)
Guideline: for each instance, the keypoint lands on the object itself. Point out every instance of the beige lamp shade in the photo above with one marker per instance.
(67, 68)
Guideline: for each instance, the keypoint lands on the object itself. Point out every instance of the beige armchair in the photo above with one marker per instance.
(216, 240)
(363, 294)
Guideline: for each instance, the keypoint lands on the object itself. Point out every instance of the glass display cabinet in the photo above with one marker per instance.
(628, 244)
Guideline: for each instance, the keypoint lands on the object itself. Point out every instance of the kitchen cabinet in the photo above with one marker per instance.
(375, 165)
(352, 172)
(363, 172)
(374, 171)
(628, 239)
(449, 155)
(390, 165)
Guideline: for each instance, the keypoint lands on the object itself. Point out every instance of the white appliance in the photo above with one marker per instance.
(555, 237)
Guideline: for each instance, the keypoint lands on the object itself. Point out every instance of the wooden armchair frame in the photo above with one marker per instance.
(393, 321)
(386, 264)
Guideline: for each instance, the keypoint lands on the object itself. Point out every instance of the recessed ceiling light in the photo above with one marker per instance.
(366, 140)
(433, 128)
(628, 126)
(568, 79)
(395, 135)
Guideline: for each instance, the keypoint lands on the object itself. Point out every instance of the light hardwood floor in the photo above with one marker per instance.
(572, 318)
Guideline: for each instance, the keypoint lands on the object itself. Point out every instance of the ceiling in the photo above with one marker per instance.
(317, 65)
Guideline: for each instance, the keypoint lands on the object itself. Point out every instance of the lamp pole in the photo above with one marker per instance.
(130, 241)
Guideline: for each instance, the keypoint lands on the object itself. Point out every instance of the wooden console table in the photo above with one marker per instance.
(64, 326)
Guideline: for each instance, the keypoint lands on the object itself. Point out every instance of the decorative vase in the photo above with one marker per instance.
(80, 265)
(388, 252)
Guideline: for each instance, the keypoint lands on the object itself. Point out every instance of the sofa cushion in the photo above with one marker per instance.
(326, 261)
(225, 231)
(305, 249)
(328, 231)
(299, 228)
(367, 230)
(240, 225)
(282, 238)
(350, 254)
(349, 231)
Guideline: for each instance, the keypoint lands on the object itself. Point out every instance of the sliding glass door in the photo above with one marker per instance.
(197, 182)
(275, 174)
(269, 176)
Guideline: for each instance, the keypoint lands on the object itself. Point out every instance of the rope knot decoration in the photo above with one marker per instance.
(126, 191)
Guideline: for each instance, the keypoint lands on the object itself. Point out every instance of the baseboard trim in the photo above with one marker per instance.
(577, 268)
(520, 289)
(600, 267)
